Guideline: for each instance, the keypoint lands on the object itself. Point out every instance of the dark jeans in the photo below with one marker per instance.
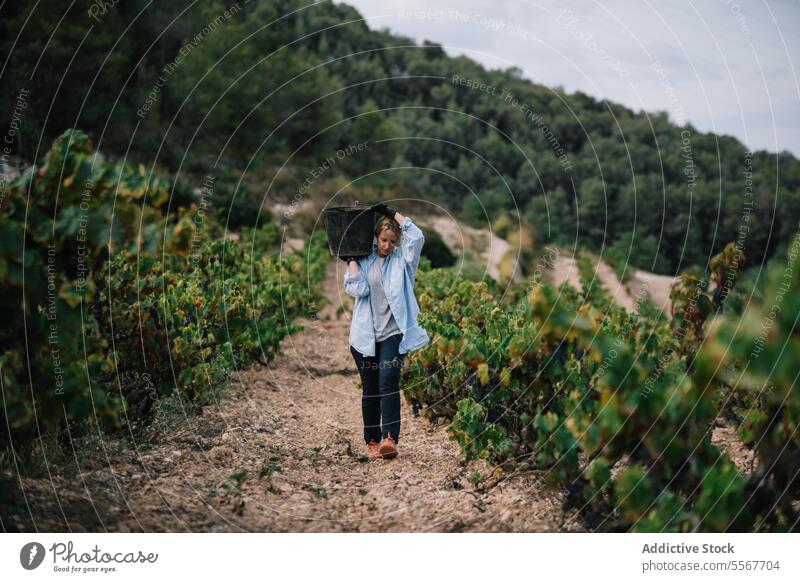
(380, 397)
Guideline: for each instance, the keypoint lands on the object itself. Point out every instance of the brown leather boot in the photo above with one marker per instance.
(388, 448)
(373, 451)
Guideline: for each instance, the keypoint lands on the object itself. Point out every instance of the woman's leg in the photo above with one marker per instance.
(370, 395)
(389, 381)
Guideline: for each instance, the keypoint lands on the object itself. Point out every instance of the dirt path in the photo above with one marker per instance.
(565, 268)
(641, 284)
(612, 284)
(656, 287)
(283, 452)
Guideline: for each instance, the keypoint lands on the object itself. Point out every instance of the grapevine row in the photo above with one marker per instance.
(615, 407)
(123, 302)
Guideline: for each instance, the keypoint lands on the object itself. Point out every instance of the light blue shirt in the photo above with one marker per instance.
(399, 271)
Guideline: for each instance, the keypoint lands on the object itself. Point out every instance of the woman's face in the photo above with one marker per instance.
(387, 241)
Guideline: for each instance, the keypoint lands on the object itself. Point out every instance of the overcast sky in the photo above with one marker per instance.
(728, 66)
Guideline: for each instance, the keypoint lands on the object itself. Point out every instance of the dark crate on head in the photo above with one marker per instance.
(350, 230)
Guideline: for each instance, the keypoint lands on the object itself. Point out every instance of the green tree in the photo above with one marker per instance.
(482, 209)
(71, 67)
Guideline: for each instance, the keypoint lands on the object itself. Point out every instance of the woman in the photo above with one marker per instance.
(384, 326)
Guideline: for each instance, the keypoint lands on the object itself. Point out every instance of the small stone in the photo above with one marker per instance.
(219, 454)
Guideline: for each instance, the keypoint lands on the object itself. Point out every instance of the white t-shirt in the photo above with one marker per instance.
(382, 319)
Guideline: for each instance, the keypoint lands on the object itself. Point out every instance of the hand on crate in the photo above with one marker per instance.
(384, 209)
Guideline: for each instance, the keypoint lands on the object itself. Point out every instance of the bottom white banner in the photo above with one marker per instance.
(417, 556)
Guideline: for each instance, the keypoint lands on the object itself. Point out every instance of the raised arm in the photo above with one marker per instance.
(355, 283)
(412, 239)
(412, 242)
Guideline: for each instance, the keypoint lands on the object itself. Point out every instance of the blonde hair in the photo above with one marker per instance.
(388, 223)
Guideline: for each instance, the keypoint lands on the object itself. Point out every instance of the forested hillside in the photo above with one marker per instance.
(248, 87)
